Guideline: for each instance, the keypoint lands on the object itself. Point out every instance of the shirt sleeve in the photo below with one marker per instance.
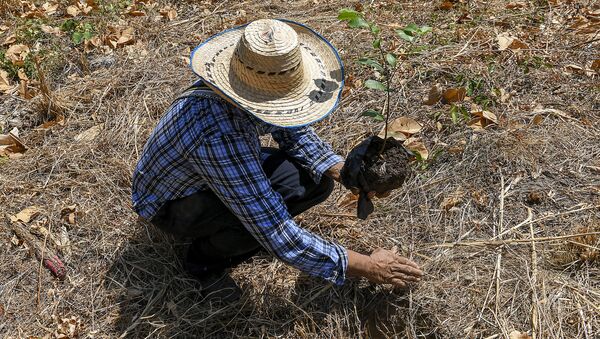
(304, 145)
(231, 166)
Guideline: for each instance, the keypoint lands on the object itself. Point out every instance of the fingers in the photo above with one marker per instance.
(408, 262)
(406, 277)
(398, 283)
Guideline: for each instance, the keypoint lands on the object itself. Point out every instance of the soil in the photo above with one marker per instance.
(388, 170)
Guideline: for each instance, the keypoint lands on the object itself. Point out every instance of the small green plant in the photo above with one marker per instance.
(12, 70)
(381, 60)
(30, 30)
(79, 31)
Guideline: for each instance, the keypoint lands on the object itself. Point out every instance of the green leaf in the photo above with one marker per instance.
(371, 63)
(376, 85)
(373, 114)
(358, 22)
(69, 25)
(376, 43)
(87, 35)
(411, 29)
(391, 59)
(424, 30)
(77, 37)
(454, 114)
(347, 14)
(375, 29)
(403, 35)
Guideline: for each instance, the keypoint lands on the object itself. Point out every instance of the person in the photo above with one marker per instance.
(204, 175)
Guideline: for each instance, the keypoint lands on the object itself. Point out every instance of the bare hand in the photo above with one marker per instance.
(387, 267)
(383, 267)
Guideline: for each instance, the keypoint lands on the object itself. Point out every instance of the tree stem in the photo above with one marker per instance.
(386, 104)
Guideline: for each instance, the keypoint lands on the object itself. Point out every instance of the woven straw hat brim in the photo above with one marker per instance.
(307, 102)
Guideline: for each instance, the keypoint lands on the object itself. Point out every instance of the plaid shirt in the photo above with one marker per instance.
(205, 143)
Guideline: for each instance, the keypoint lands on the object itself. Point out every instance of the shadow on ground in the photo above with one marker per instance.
(156, 298)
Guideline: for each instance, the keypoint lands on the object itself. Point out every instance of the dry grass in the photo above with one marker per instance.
(125, 279)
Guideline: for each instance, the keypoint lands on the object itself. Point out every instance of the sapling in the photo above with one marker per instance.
(383, 61)
(376, 164)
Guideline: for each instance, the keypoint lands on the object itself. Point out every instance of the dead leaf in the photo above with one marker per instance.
(11, 145)
(15, 241)
(454, 95)
(3, 28)
(69, 213)
(119, 37)
(572, 68)
(595, 65)
(67, 327)
(50, 8)
(537, 119)
(505, 41)
(515, 5)
(126, 37)
(90, 133)
(9, 40)
(135, 12)
(5, 85)
(446, 5)
(518, 335)
(73, 11)
(488, 116)
(168, 12)
(85, 7)
(21, 74)
(27, 214)
(51, 30)
(435, 95)
(17, 54)
(475, 124)
(541, 110)
(452, 200)
(59, 120)
(401, 128)
(416, 145)
(502, 95)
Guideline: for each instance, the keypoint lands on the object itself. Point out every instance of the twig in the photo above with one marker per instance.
(45, 255)
(535, 325)
(529, 221)
(509, 241)
(499, 254)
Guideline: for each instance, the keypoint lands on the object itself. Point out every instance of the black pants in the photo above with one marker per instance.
(219, 238)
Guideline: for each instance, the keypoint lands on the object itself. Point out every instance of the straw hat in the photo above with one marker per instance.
(280, 71)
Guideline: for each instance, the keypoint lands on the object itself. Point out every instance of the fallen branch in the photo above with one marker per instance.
(510, 241)
(46, 256)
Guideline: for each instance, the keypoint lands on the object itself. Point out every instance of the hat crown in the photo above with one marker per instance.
(269, 46)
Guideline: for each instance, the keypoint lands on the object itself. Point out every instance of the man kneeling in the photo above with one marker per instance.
(204, 175)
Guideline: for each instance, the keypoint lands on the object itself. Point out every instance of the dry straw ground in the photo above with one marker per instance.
(489, 218)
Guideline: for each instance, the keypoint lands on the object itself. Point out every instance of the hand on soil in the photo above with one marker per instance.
(387, 267)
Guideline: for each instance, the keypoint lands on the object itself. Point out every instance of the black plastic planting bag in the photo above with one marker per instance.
(365, 169)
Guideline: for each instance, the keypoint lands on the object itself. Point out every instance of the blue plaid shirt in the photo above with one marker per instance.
(205, 143)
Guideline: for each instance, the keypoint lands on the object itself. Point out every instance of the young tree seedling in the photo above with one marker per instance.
(384, 63)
